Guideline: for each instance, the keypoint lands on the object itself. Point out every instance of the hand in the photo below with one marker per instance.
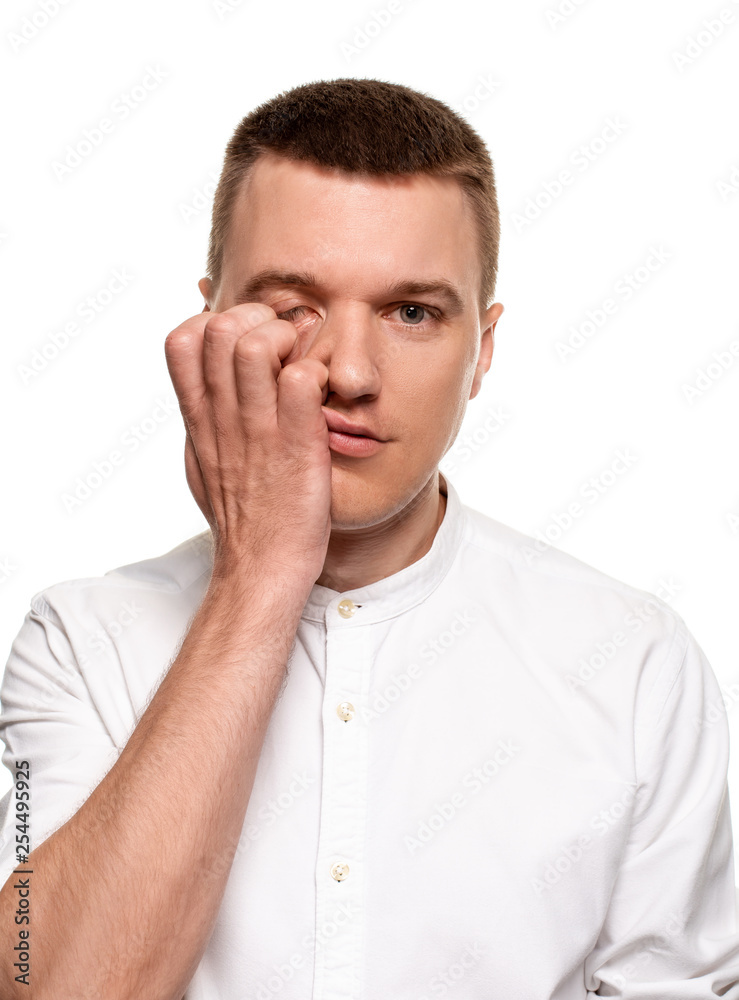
(257, 455)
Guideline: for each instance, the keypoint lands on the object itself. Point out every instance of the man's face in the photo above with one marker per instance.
(402, 361)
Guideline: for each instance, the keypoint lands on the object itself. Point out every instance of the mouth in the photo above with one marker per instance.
(347, 438)
(354, 445)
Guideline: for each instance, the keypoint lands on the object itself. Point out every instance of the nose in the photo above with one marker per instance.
(349, 343)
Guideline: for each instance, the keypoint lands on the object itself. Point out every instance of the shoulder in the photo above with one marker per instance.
(168, 578)
(567, 601)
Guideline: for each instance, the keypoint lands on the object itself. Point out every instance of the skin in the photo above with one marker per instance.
(407, 374)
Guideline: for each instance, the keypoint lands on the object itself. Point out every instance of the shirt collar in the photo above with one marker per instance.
(400, 591)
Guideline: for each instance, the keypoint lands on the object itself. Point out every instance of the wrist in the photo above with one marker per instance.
(242, 584)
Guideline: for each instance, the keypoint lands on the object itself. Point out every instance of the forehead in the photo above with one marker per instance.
(357, 227)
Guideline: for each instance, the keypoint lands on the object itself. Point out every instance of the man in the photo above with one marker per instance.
(342, 746)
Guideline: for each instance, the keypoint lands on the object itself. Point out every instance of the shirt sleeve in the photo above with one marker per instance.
(670, 932)
(48, 719)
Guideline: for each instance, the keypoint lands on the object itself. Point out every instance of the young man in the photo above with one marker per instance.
(343, 746)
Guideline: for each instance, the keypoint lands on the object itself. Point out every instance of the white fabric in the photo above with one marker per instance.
(531, 797)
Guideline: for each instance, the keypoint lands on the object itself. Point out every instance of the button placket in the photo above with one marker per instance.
(339, 868)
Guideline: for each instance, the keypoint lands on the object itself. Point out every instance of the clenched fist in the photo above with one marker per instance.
(257, 453)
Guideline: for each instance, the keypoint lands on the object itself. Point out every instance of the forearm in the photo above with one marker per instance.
(126, 892)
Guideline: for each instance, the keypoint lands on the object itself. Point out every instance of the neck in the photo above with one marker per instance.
(358, 558)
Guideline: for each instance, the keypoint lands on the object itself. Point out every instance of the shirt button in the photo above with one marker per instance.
(339, 871)
(345, 710)
(346, 608)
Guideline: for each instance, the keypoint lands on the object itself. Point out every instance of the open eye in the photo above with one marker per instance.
(413, 314)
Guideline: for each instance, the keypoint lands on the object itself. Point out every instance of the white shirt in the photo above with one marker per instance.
(494, 774)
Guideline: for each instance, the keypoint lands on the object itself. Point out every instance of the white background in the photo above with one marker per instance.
(537, 88)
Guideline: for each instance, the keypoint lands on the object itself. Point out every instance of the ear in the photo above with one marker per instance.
(485, 357)
(206, 290)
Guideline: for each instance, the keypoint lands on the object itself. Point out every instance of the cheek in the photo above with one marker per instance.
(448, 394)
(431, 397)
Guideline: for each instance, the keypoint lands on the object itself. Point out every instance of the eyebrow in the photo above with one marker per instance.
(271, 278)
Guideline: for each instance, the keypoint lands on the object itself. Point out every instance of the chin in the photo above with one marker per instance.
(362, 501)
(357, 502)
(348, 515)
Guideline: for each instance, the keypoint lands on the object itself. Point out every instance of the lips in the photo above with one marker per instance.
(351, 439)
(335, 422)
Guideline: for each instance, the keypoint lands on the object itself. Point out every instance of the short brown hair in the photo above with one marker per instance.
(364, 126)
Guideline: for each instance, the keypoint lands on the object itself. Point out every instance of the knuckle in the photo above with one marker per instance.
(176, 340)
(220, 325)
(307, 371)
(295, 374)
(255, 313)
(253, 346)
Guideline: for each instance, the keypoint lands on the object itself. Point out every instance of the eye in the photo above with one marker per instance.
(414, 315)
(292, 313)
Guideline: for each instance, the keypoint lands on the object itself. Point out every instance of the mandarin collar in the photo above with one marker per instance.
(399, 592)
